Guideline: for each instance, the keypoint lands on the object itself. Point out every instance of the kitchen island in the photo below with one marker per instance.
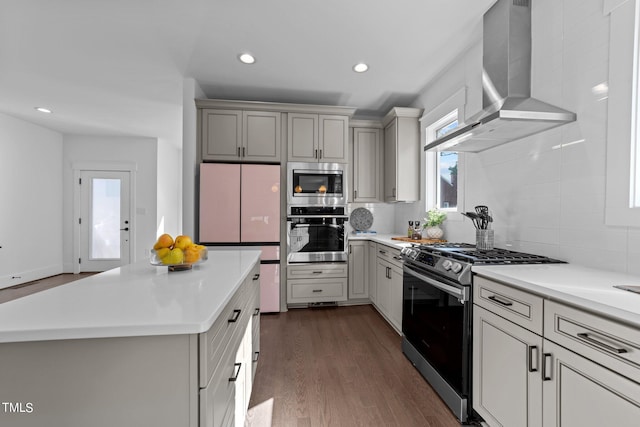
(133, 346)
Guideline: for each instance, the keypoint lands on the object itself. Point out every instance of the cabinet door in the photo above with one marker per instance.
(333, 146)
(260, 203)
(372, 269)
(580, 393)
(408, 152)
(367, 166)
(219, 203)
(507, 386)
(390, 162)
(261, 136)
(221, 134)
(395, 304)
(383, 291)
(358, 274)
(302, 137)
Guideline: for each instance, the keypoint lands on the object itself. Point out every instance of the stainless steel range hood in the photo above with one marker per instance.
(509, 113)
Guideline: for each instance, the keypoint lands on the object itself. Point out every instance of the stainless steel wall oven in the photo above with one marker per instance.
(316, 234)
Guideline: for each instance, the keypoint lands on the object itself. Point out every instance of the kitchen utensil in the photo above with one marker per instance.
(361, 219)
(473, 217)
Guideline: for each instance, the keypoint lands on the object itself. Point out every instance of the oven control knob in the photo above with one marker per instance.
(446, 264)
(456, 267)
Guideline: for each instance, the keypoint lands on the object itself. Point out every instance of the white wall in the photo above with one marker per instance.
(169, 189)
(31, 202)
(547, 200)
(190, 91)
(143, 152)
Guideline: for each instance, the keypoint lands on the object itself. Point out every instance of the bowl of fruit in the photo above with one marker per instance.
(179, 254)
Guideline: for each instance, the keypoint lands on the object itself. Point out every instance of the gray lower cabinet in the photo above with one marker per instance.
(317, 283)
(358, 270)
(538, 362)
(389, 285)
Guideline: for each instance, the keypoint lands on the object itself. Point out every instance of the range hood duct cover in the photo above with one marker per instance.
(508, 111)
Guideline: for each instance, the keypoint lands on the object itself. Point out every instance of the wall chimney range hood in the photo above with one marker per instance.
(509, 113)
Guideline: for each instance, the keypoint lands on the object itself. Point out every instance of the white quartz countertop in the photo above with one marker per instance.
(385, 239)
(134, 300)
(584, 287)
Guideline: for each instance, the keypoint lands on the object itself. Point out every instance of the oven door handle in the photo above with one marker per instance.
(461, 294)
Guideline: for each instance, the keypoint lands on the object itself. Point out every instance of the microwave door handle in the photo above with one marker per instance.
(461, 294)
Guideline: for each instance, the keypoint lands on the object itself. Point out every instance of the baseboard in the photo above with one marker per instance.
(19, 278)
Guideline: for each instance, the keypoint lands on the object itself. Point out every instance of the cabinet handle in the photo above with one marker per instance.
(388, 272)
(320, 154)
(316, 272)
(242, 151)
(317, 290)
(585, 337)
(383, 252)
(545, 358)
(235, 316)
(256, 311)
(355, 194)
(256, 355)
(500, 300)
(315, 154)
(256, 276)
(533, 350)
(239, 152)
(394, 192)
(397, 257)
(237, 372)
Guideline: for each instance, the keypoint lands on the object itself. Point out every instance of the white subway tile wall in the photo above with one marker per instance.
(547, 191)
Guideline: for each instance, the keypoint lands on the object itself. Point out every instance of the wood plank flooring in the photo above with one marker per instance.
(341, 366)
(18, 291)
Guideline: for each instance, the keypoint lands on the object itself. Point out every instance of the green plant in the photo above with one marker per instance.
(434, 217)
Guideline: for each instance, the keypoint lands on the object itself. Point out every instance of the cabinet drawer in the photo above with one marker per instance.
(317, 271)
(391, 254)
(224, 331)
(218, 398)
(603, 340)
(522, 308)
(319, 290)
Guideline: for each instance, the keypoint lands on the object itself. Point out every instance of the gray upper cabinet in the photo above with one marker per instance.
(402, 155)
(367, 165)
(235, 135)
(317, 138)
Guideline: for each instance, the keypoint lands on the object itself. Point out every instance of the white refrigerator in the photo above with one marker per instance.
(240, 206)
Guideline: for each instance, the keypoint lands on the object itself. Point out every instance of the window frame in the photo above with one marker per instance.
(453, 108)
(623, 128)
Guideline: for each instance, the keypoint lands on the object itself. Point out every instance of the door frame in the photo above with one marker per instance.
(78, 168)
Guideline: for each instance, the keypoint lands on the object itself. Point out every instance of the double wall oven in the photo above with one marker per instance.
(437, 317)
(316, 212)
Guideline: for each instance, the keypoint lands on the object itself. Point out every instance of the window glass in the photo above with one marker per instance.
(447, 180)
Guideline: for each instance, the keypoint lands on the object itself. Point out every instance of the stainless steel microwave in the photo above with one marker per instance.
(316, 184)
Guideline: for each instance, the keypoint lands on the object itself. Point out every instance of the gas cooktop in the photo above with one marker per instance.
(468, 253)
(454, 260)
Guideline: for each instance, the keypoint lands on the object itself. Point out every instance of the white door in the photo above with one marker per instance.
(105, 220)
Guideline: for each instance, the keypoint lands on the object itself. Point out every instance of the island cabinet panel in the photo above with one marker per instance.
(102, 382)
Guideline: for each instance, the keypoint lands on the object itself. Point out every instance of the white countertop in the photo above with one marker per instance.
(583, 287)
(135, 300)
(381, 238)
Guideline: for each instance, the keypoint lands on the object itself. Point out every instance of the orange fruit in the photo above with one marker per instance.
(192, 253)
(164, 241)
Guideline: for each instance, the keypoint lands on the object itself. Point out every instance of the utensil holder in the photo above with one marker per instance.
(484, 239)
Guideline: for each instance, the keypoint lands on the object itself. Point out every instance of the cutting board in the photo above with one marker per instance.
(427, 241)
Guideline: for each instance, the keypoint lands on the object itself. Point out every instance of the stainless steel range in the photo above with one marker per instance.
(436, 314)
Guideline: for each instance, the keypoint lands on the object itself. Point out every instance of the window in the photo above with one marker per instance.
(443, 176)
(623, 133)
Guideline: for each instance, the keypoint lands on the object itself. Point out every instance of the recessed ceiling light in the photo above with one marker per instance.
(43, 110)
(360, 67)
(246, 58)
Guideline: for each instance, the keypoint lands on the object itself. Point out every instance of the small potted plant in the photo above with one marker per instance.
(432, 223)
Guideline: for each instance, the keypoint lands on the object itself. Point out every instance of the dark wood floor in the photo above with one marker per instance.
(18, 291)
(341, 366)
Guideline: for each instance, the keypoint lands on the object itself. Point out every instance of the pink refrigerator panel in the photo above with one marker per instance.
(219, 203)
(260, 201)
(269, 288)
(270, 253)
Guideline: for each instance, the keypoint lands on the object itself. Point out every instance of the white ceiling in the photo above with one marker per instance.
(116, 67)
